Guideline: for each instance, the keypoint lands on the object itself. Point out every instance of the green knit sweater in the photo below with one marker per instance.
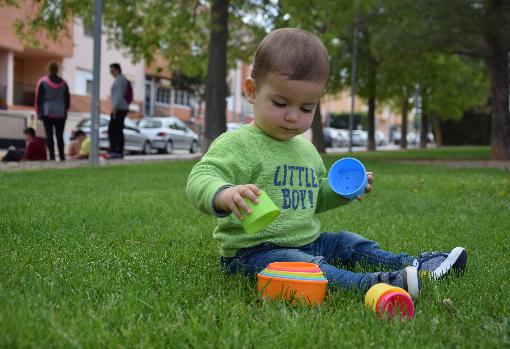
(291, 172)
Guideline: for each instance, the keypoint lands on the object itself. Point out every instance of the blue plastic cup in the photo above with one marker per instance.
(348, 178)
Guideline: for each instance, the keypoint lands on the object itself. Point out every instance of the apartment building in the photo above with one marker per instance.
(161, 99)
(21, 66)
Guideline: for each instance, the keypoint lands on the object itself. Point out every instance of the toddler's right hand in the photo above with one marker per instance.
(232, 199)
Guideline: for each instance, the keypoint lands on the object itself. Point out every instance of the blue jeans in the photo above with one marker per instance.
(329, 251)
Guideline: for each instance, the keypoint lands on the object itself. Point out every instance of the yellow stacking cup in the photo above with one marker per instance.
(375, 292)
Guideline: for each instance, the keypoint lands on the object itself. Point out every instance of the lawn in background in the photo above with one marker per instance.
(443, 153)
(118, 257)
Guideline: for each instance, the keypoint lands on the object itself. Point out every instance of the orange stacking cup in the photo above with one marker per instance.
(293, 266)
(293, 281)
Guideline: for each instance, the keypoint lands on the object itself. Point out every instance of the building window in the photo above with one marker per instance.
(83, 82)
(182, 98)
(163, 95)
(88, 29)
(89, 87)
(147, 96)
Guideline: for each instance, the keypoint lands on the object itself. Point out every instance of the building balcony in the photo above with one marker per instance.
(24, 94)
(3, 96)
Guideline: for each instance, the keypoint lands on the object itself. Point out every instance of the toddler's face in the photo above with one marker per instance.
(283, 108)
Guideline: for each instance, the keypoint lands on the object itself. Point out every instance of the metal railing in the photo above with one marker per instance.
(12, 125)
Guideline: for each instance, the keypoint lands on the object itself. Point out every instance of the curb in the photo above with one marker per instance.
(38, 165)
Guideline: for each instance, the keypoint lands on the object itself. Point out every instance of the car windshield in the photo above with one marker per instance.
(177, 126)
(150, 124)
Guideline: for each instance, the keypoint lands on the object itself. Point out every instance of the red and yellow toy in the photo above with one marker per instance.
(389, 300)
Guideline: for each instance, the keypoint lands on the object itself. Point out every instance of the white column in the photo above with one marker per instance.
(10, 78)
(172, 98)
(152, 97)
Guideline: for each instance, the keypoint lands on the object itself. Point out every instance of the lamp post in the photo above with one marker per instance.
(94, 127)
(353, 72)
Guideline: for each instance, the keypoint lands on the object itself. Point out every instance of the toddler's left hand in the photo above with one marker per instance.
(368, 189)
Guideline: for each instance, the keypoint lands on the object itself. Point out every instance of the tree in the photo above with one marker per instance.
(400, 45)
(317, 134)
(216, 92)
(447, 85)
(480, 30)
(336, 33)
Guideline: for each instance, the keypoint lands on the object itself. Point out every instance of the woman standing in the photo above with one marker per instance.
(51, 104)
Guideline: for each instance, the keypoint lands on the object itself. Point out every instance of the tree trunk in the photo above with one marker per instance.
(403, 128)
(216, 93)
(372, 83)
(317, 134)
(438, 131)
(497, 64)
(424, 126)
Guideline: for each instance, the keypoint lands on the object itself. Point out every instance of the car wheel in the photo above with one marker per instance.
(147, 149)
(169, 147)
(194, 147)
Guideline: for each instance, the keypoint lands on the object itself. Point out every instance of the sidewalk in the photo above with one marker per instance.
(185, 155)
(129, 159)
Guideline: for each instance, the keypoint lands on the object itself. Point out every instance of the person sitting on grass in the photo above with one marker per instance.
(35, 149)
(80, 147)
(13, 154)
(289, 74)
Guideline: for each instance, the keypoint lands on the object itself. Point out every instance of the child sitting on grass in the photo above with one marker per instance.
(289, 74)
(80, 147)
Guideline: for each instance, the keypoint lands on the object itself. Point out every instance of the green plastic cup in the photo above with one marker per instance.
(262, 214)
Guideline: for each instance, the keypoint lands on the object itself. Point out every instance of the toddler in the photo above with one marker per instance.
(289, 74)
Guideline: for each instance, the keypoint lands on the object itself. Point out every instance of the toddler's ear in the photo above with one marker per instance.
(250, 89)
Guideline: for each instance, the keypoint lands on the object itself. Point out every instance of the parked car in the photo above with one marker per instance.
(344, 134)
(431, 138)
(134, 140)
(359, 137)
(168, 133)
(412, 138)
(334, 137)
(380, 138)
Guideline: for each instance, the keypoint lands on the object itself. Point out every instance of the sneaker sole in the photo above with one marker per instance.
(413, 281)
(456, 261)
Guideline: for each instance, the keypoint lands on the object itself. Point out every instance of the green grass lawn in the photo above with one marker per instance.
(443, 153)
(118, 257)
